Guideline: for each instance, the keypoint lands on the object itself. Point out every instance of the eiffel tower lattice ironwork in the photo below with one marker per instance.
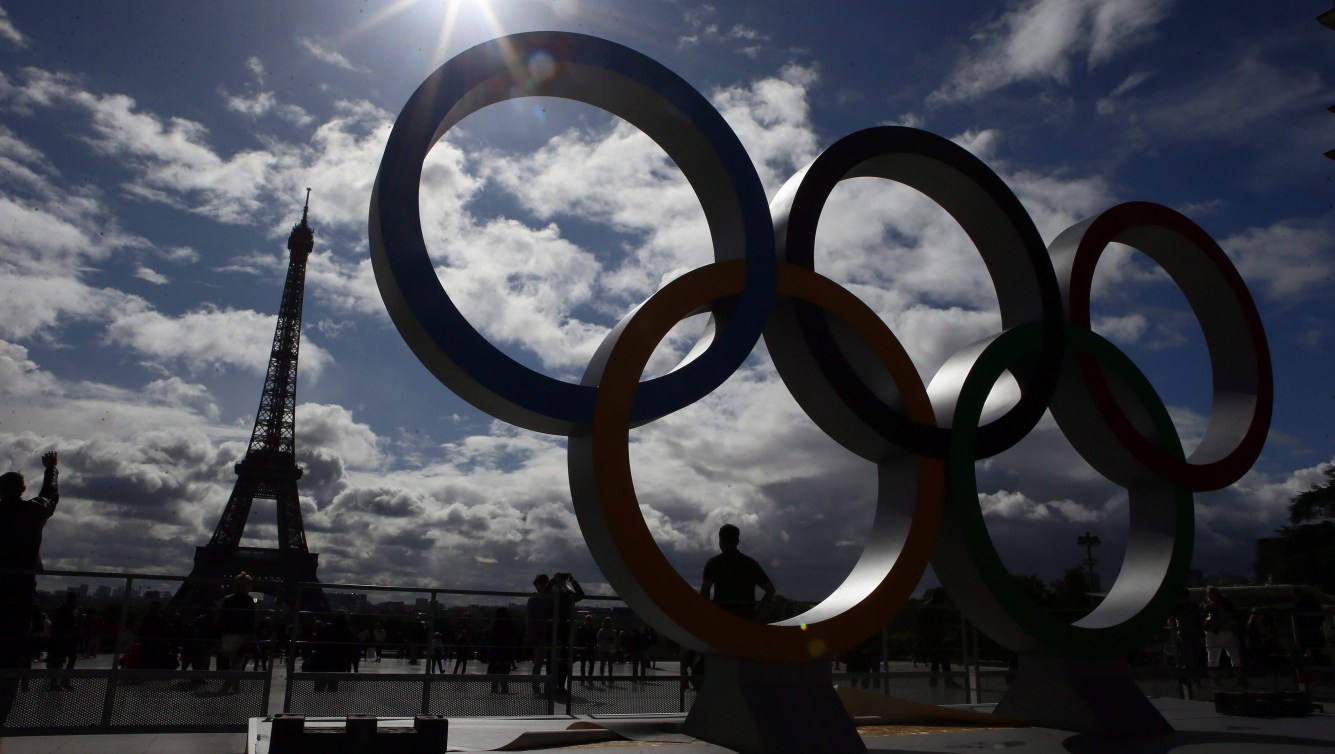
(268, 471)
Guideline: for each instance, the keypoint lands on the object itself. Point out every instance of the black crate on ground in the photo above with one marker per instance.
(360, 734)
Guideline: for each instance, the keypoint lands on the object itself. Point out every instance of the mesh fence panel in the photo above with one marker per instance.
(617, 695)
(37, 706)
(992, 686)
(50, 701)
(400, 695)
(147, 698)
(340, 694)
(486, 696)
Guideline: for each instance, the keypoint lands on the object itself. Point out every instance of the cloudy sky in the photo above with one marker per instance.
(153, 157)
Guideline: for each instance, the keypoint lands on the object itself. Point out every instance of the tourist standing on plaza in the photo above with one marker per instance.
(607, 648)
(62, 648)
(1189, 631)
(567, 592)
(1222, 630)
(21, 523)
(586, 648)
(937, 629)
(331, 650)
(538, 626)
(236, 625)
(501, 643)
(436, 652)
(378, 636)
(731, 578)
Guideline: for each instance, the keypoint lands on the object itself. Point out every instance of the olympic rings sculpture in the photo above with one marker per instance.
(844, 366)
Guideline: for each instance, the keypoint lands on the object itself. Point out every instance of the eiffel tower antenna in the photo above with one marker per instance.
(268, 471)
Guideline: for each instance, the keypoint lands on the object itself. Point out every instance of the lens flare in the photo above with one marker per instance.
(541, 67)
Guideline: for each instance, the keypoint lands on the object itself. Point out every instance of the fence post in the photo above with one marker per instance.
(293, 629)
(969, 688)
(109, 700)
(430, 654)
(552, 650)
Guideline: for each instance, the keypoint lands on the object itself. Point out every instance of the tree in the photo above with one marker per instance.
(1317, 503)
(1070, 593)
(1033, 588)
(1301, 554)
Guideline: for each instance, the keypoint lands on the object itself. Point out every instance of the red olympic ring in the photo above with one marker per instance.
(1239, 354)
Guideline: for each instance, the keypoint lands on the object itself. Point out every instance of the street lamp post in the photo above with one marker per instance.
(1089, 542)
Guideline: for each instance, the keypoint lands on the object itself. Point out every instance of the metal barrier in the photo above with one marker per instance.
(630, 695)
(52, 702)
(163, 701)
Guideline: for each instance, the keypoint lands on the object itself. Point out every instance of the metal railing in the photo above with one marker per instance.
(125, 699)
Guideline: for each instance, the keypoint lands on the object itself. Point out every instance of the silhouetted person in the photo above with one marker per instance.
(1307, 623)
(154, 640)
(1190, 633)
(63, 647)
(1222, 632)
(936, 628)
(566, 592)
(21, 523)
(586, 648)
(264, 635)
(236, 625)
(331, 652)
(538, 625)
(462, 652)
(501, 643)
(378, 636)
(731, 578)
(863, 661)
(1261, 644)
(198, 640)
(436, 651)
(607, 648)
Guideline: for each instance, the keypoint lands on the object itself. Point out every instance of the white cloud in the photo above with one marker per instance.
(1236, 101)
(9, 32)
(151, 276)
(1108, 105)
(332, 428)
(263, 103)
(1006, 504)
(206, 338)
(31, 305)
(1038, 40)
(172, 157)
(323, 54)
(1288, 260)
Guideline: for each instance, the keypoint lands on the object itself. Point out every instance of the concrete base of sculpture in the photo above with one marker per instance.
(1084, 696)
(760, 708)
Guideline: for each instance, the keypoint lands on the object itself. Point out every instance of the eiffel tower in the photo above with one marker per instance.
(269, 471)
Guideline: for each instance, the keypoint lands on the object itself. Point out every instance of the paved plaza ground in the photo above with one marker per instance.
(1199, 729)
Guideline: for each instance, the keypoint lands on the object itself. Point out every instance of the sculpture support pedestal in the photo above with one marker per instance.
(760, 708)
(1085, 696)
